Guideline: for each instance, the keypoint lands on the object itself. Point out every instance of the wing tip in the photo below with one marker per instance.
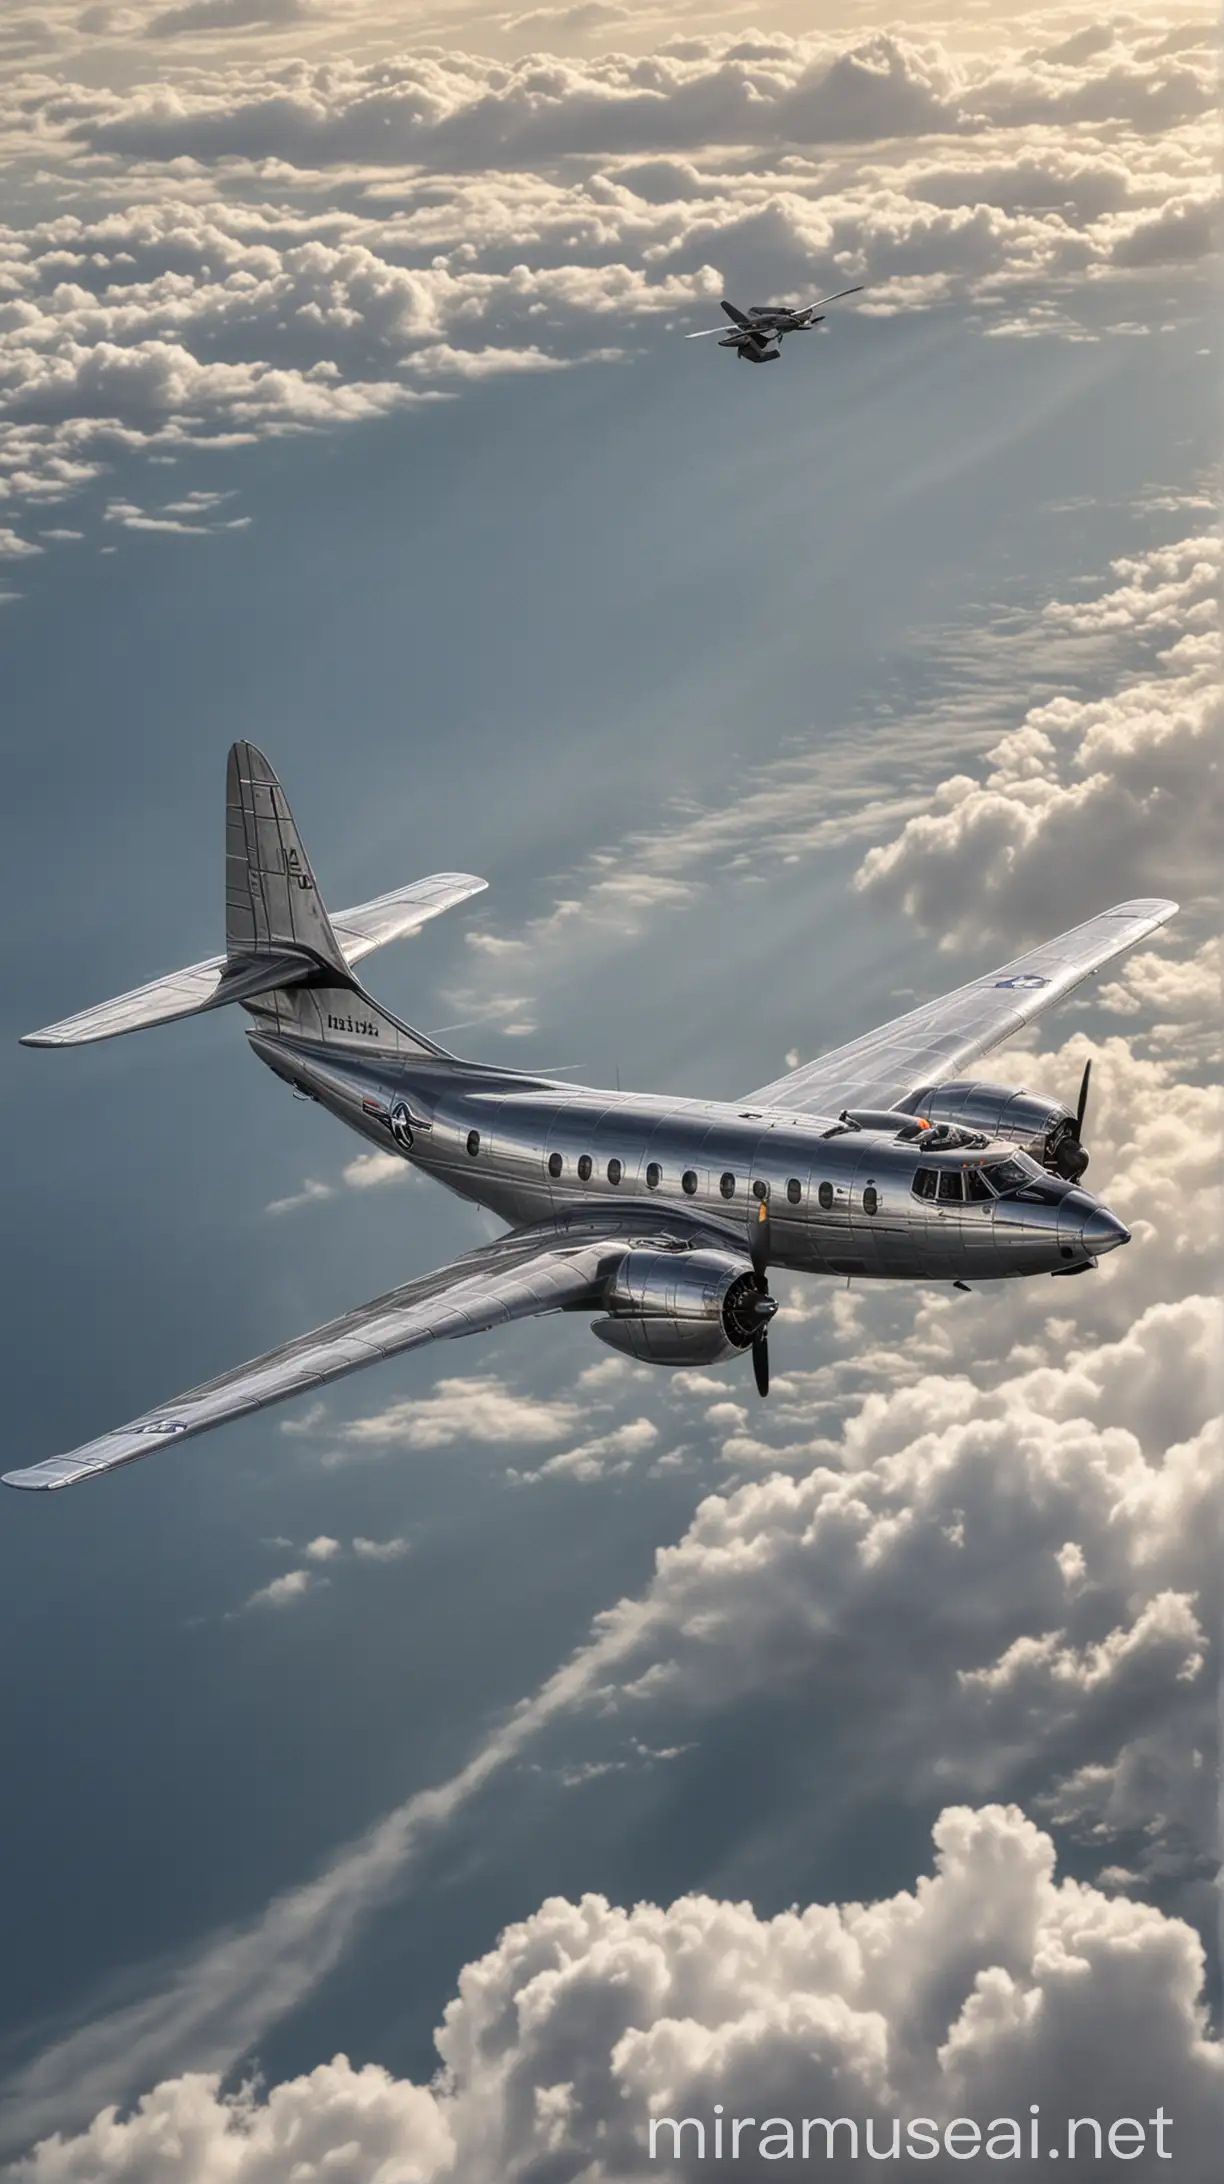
(29, 1480)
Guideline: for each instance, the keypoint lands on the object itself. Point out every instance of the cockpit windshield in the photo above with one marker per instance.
(1014, 1173)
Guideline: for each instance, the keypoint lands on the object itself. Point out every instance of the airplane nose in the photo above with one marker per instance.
(1102, 1231)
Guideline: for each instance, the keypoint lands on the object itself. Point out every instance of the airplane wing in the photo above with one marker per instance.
(938, 1040)
(527, 1272)
(206, 985)
(372, 924)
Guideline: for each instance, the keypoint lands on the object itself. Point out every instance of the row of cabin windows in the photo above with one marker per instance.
(689, 1180)
(949, 1187)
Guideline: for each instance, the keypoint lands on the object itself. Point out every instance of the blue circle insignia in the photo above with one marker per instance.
(1027, 982)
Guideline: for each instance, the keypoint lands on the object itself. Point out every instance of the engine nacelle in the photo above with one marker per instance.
(1045, 1128)
(682, 1307)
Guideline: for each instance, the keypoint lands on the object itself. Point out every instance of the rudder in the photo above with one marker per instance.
(271, 900)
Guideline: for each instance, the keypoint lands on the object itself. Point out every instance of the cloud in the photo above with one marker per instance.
(282, 1592)
(311, 1191)
(608, 1455)
(370, 1171)
(226, 15)
(380, 1550)
(481, 1409)
(322, 1549)
(990, 1989)
(190, 518)
(1130, 772)
(581, 19)
(13, 548)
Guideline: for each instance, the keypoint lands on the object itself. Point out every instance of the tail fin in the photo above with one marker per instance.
(277, 932)
(271, 902)
(739, 317)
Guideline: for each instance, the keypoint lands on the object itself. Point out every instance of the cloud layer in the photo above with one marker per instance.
(991, 1989)
(281, 246)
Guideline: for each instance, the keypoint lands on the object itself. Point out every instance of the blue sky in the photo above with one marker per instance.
(681, 649)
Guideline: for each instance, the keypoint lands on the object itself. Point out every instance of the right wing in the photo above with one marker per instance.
(528, 1272)
(939, 1038)
(205, 985)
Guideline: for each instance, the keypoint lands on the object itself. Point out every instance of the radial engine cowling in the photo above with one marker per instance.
(1045, 1128)
(682, 1307)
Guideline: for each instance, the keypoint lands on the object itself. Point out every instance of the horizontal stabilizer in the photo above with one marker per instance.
(213, 984)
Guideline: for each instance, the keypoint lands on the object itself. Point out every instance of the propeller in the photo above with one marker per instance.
(1071, 1158)
(758, 1248)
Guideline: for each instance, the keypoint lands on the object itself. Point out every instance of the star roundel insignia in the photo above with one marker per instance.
(1027, 982)
(400, 1119)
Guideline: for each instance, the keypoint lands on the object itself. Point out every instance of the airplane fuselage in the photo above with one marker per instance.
(841, 1201)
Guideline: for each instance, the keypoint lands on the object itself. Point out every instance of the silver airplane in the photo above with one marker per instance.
(757, 335)
(662, 1217)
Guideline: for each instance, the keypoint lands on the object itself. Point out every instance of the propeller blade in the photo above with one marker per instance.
(700, 335)
(1081, 1105)
(838, 297)
(760, 1361)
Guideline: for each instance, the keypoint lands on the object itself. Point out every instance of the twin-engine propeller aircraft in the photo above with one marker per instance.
(756, 335)
(663, 1217)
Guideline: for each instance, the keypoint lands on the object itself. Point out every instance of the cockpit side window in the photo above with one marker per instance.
(951, 1188)
(976, 1186)
(924, 1183)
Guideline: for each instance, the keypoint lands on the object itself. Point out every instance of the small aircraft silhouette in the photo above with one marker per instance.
(756, 335)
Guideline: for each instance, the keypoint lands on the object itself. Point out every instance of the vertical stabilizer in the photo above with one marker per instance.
(271, 900)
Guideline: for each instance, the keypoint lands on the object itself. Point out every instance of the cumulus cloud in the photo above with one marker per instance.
(282, 1592)
(480, 1409)
(368, 1171)
(990, 1988)
(1133, 772)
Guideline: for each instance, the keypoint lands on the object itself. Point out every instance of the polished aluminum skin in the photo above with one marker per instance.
(756, 335)
(660, 1216)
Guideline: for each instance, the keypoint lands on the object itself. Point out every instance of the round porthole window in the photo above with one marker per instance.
(760, 1189)
(584, 1168)
(654, 1176)
(554, 1165)
(615, 1171)
(473, 1143)
(825, 1197)
(794, 1191)
(871, 1198)
(688, 1182)
(726, 1184)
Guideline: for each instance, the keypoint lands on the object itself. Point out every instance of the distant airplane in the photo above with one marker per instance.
(660, 1216)
(757, 335)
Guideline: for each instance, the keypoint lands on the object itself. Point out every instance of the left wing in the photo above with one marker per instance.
(528, 1272)
(934, 1042)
